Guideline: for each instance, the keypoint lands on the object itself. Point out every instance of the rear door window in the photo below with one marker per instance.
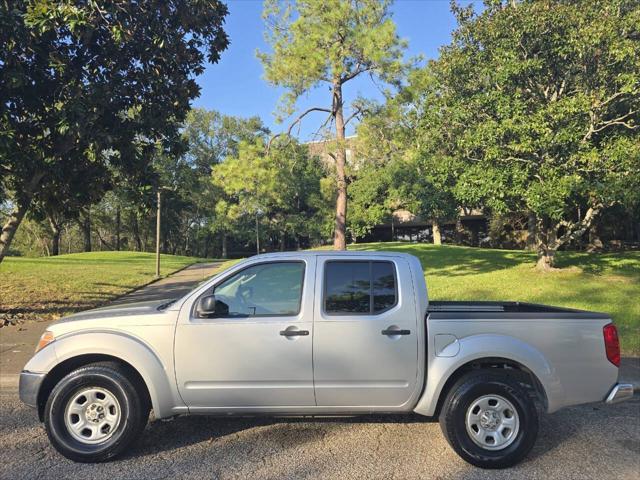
(383, 278)
(359, 287)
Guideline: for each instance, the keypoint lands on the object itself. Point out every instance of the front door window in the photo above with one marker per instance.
(268, 289)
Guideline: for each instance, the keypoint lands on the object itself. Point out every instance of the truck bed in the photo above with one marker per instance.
(441, 309)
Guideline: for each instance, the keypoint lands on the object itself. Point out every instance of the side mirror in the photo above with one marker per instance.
(208, 306)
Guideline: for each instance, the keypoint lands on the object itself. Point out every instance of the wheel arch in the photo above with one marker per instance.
(73, 351)
(489, 351)
(503, 365)
(67, 366)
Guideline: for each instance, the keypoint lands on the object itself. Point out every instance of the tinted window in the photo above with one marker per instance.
(384, 286)
(359, 287)
(266, 289)
(348, 288)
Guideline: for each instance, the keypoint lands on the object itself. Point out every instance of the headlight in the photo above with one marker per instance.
(46, 338)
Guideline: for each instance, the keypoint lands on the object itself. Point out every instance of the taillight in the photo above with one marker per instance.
(611, 343)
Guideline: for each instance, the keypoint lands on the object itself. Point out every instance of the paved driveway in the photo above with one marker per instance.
(589, 442)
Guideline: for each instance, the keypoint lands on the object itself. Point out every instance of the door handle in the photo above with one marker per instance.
(294, 333)
(391, 332)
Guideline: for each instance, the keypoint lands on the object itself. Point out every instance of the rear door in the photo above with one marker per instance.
(365, 348)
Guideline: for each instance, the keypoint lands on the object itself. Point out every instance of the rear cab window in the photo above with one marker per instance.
(359, 287)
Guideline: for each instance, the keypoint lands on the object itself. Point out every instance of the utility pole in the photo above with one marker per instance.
(158, 236)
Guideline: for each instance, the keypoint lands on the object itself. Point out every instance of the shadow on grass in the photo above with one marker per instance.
(625, 264)
(454, 261)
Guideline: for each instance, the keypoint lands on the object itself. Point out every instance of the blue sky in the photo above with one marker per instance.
(235, 86)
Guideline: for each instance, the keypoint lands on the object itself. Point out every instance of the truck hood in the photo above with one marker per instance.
(151, 307)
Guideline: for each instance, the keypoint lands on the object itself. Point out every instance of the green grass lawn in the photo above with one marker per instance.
(601, 282)
(48, 287)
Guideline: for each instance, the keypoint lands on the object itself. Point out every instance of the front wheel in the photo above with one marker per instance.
(489, 420)
(95, 412)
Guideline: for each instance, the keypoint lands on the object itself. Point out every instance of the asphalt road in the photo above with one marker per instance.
(598, 442)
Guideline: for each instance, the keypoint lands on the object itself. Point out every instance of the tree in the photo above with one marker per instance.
(402, 143)
(91, 88)
(542, 104)
(330, 42)
(282, 187)
(211, 138)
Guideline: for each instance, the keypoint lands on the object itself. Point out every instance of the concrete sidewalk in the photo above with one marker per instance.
(17, 342)
(173, 286)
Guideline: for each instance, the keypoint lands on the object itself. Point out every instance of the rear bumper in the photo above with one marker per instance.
(29, 387)
(619, 393)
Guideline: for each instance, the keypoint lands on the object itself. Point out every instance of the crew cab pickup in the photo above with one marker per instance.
(320, 333)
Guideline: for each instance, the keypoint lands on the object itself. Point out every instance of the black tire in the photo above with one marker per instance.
(134, 412)
(460, 398)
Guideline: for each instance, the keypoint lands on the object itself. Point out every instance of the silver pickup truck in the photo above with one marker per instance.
(321, 333)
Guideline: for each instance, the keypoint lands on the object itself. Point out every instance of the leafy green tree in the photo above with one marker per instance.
(91, 87)
(282, 187)
(330, 42)
(540, 101)
(370, 203)
(405, 163)
(211, 138)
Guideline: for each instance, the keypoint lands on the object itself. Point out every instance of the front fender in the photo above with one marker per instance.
(476, 347)
(157, 375)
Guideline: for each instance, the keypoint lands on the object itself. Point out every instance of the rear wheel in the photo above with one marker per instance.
(489, 419)
(95, 412)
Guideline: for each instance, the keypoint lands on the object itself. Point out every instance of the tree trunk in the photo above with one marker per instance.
(17, 215)
(595, 242)
(136, 231)
(68, 234)
(475, 241)
(546, 258)
(437, 236)
(283, 242)
(118, 225)
(532, 221)
(85, 227)
(460, 230)
(225, 253)
(10, 227)
(55, 243)
(548, 241)
(55, 236)
(340, 230)
(187, 249)
(546, 245)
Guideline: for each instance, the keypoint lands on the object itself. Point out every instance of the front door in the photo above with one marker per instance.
(256, 350)
(365, 334)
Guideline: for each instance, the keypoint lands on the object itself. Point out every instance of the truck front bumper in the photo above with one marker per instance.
(619, 393)
(29, 387)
